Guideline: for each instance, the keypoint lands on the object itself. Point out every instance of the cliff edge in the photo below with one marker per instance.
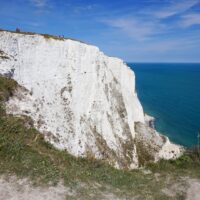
(81, 100)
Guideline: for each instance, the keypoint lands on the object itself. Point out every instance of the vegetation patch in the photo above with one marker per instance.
(7, 87)
(188, 164)
(144, 153)
(3, 55)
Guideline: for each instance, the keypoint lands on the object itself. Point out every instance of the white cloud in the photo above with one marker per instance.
(135, 28)
(190, 19)
(147, 24)
(39, 3)
(79, 9)
(168, 45)
(176, 7)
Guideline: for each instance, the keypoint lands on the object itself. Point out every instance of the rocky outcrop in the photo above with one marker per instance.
(80, 99)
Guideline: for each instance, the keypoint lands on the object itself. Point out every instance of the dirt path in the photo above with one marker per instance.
(21, 189)
(193, 192)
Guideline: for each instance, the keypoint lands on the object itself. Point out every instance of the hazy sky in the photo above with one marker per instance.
(134, 30)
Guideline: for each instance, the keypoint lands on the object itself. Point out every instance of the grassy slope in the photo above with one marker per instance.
(24, 152)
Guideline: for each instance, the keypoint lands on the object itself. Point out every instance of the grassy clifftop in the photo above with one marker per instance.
(25, 153)
(46, 36)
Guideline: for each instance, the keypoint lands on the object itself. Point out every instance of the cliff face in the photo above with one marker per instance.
(80, 99)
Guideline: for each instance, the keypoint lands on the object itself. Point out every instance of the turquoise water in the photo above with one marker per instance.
(171, 93)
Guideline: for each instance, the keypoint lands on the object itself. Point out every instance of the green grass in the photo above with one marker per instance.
(25, 153)
(7, 86)
(188, 164)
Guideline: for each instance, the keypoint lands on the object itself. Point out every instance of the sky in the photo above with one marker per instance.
(134, 30)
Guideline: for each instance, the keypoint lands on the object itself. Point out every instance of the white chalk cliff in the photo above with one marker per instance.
(80, 99)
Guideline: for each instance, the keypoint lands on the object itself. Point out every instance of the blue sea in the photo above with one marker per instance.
(171, 93)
